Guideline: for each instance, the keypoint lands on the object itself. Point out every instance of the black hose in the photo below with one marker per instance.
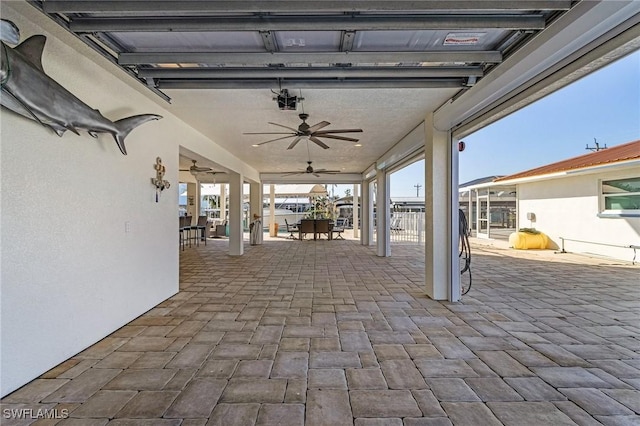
(465, 249)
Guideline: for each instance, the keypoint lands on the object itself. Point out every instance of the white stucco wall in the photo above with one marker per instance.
(84, 247)
(568, 207)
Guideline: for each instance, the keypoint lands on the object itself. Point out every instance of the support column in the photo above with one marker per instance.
(272, 211)
(356, 210)
(383, 214)
(236, 247)
(255, 206)
(439, 212)
(454, 290)
(193, 196)
(223, 201)
(366, 236)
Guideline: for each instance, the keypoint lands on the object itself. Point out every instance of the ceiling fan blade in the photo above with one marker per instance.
(342, 138)
(273, 140)
(318, 142)
(318, 126)
(282, 125)
(268, 133)
(315, 174)
(295, 142)
(341, 131)
(329, 172)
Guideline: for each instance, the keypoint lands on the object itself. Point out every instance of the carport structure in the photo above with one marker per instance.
(415, 76)
(376, 65)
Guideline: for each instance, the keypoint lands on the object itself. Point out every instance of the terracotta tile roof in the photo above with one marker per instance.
(614, 154)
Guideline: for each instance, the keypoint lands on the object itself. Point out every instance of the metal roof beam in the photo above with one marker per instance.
(312, 72)
(312, 23)
(284, 6)
(262, 58)
(372, 83)
(269, 40)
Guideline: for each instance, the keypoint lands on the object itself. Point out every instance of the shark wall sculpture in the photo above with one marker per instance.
(28, 91)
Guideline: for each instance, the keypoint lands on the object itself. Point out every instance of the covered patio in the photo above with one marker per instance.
(320, 333)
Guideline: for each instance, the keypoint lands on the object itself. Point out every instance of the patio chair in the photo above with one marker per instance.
(291, 229)
(185, 230)
(396, 225)
(201, 229)
(307, 226)
(323, 226)
(337, 229)
(181, 231)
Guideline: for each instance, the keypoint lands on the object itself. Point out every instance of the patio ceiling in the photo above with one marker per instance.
(380, 66)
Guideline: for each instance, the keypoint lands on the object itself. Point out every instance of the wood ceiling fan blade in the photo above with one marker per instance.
(282, 125)
(273, 140)
(318, 142)
(268, 133)
(318, 126)
(315, 174)
(342, 138)
(295, 142)
(329, 172)
(341, 131)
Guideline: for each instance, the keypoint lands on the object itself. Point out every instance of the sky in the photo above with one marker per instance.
(604, 105)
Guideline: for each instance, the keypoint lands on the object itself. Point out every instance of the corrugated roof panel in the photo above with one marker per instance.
(196, 41)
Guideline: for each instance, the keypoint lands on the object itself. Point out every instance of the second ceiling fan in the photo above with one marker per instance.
(313, 133)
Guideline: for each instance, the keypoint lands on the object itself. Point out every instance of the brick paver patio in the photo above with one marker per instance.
(327, 333)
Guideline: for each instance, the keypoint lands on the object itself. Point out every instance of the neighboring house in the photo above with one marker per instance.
(589, 203)
(497, 206)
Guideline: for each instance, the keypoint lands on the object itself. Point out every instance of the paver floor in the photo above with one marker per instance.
(327, 333)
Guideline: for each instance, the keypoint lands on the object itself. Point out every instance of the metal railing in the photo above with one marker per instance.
(630, 246)
(407, 227)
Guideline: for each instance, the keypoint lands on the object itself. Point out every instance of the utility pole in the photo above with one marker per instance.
(597, 147)
(417, 187)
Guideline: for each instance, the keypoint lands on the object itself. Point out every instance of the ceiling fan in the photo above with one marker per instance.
(195, 169)
(310, 170)
(313, 133)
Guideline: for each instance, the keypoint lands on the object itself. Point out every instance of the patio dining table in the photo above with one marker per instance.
(317, 227)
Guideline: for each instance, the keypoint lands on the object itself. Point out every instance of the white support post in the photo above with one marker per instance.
(372, 220)
(255, 206)
(437, 185)
(193, 194)
(383, 214)
(365, 235)
(223, 201)
(454, 205)
(272, 211)
(236, 237)
(356, 210)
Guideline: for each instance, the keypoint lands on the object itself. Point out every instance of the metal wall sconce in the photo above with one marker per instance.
(159, 181)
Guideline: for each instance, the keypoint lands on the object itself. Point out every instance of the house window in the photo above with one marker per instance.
(621, 197)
